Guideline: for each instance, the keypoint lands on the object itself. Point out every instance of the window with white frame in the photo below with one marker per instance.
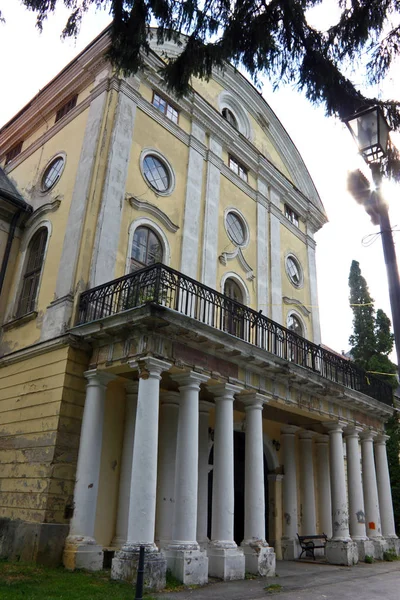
(291, 215)
(165, 107)
(238, 168)
(294, 270)
(146, 249)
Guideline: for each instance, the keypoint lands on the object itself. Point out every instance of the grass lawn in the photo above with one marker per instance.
(20, 581)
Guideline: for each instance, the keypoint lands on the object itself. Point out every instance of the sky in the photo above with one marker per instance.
(30, 60)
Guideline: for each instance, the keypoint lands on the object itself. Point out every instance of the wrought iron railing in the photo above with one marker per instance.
(166, 287)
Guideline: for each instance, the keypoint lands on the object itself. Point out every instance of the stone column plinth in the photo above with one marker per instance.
(226, 560)
(385, 493)
(309, 520)
(184, 557)
(204, 452)
(142, 498)
(370, 488)
(356, 498)
(81, 549)
(340, 549)
(169, 410)
(290, 547)
(259, 556)
(126, 465)
(324, 485)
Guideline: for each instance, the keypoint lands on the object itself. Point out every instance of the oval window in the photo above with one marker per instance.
(293, 270)
(236, 228)
(156, 173)
(52, 173)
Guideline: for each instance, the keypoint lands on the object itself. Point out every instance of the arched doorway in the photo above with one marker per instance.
(234, 317)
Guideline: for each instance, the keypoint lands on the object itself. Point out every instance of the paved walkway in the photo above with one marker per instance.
(306, 581)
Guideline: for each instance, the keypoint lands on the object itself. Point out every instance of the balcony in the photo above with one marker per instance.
(162, 286)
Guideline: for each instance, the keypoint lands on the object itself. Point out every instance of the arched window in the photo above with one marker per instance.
(293, 324)
(146, 249)
(234, 314)
(33, 270)
(230, 117)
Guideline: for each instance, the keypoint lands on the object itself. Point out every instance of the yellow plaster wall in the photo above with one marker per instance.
(149, 134)
(232, 196)
(209, 90)
(106, 511)
(41, 401)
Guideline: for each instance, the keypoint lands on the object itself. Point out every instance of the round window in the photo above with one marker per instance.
(52, 173)
(156, 173)
(235, 228)
(294, 271)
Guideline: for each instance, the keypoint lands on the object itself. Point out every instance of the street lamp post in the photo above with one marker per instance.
(371, 133)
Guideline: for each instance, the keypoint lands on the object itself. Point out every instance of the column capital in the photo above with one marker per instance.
(322, 439)
(100, 378)
(190, 379)
(224, 390)
(381, 439)
(149, 367)
(307, 435)
(334, 427)
(289, 430)
(368, 435)
(205, 407)
(169, 399)
(252, 401)
(352, 431)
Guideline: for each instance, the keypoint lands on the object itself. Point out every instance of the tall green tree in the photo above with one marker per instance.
(276, 38)
(371, 343)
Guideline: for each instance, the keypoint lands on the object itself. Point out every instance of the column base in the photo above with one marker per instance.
(340, 552)
(380, 546)
(290, 549)
(393, 543)
(188, 565)
(125, 566)
(82, 553)
(260, 558)
(226, 563)
(365, 548)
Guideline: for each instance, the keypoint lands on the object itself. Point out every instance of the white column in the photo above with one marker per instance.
(184, 557)
(81, 550)
(225, 559)
(324, 486)
(340, 512)
(384, 489)
(204, 452)
(308, 525)
(142, 504)
(340, 549)
(168, 426)
(260, 559)
(126, 464)
(290, 528)
(371, 501)
(354, 485)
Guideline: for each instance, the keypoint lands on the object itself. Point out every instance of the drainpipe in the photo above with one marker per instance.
(7, 250)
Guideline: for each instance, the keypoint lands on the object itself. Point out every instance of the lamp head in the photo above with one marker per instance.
(371, 133)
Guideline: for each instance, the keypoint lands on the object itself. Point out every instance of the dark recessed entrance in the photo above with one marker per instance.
(239, 475)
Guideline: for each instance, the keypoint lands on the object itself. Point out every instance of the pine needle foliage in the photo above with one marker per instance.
(268, 37)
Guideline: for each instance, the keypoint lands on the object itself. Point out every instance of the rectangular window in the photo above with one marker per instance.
(163, 106)
(291, 215)
(13, 152)
(237, 168)
(66, 108)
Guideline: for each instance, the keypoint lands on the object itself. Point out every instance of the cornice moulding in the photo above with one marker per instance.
(41, 211)
(153, 210)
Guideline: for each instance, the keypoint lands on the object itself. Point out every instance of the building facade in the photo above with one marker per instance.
(162, 378)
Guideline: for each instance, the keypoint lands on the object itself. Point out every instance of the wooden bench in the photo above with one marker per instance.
(309, 543)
